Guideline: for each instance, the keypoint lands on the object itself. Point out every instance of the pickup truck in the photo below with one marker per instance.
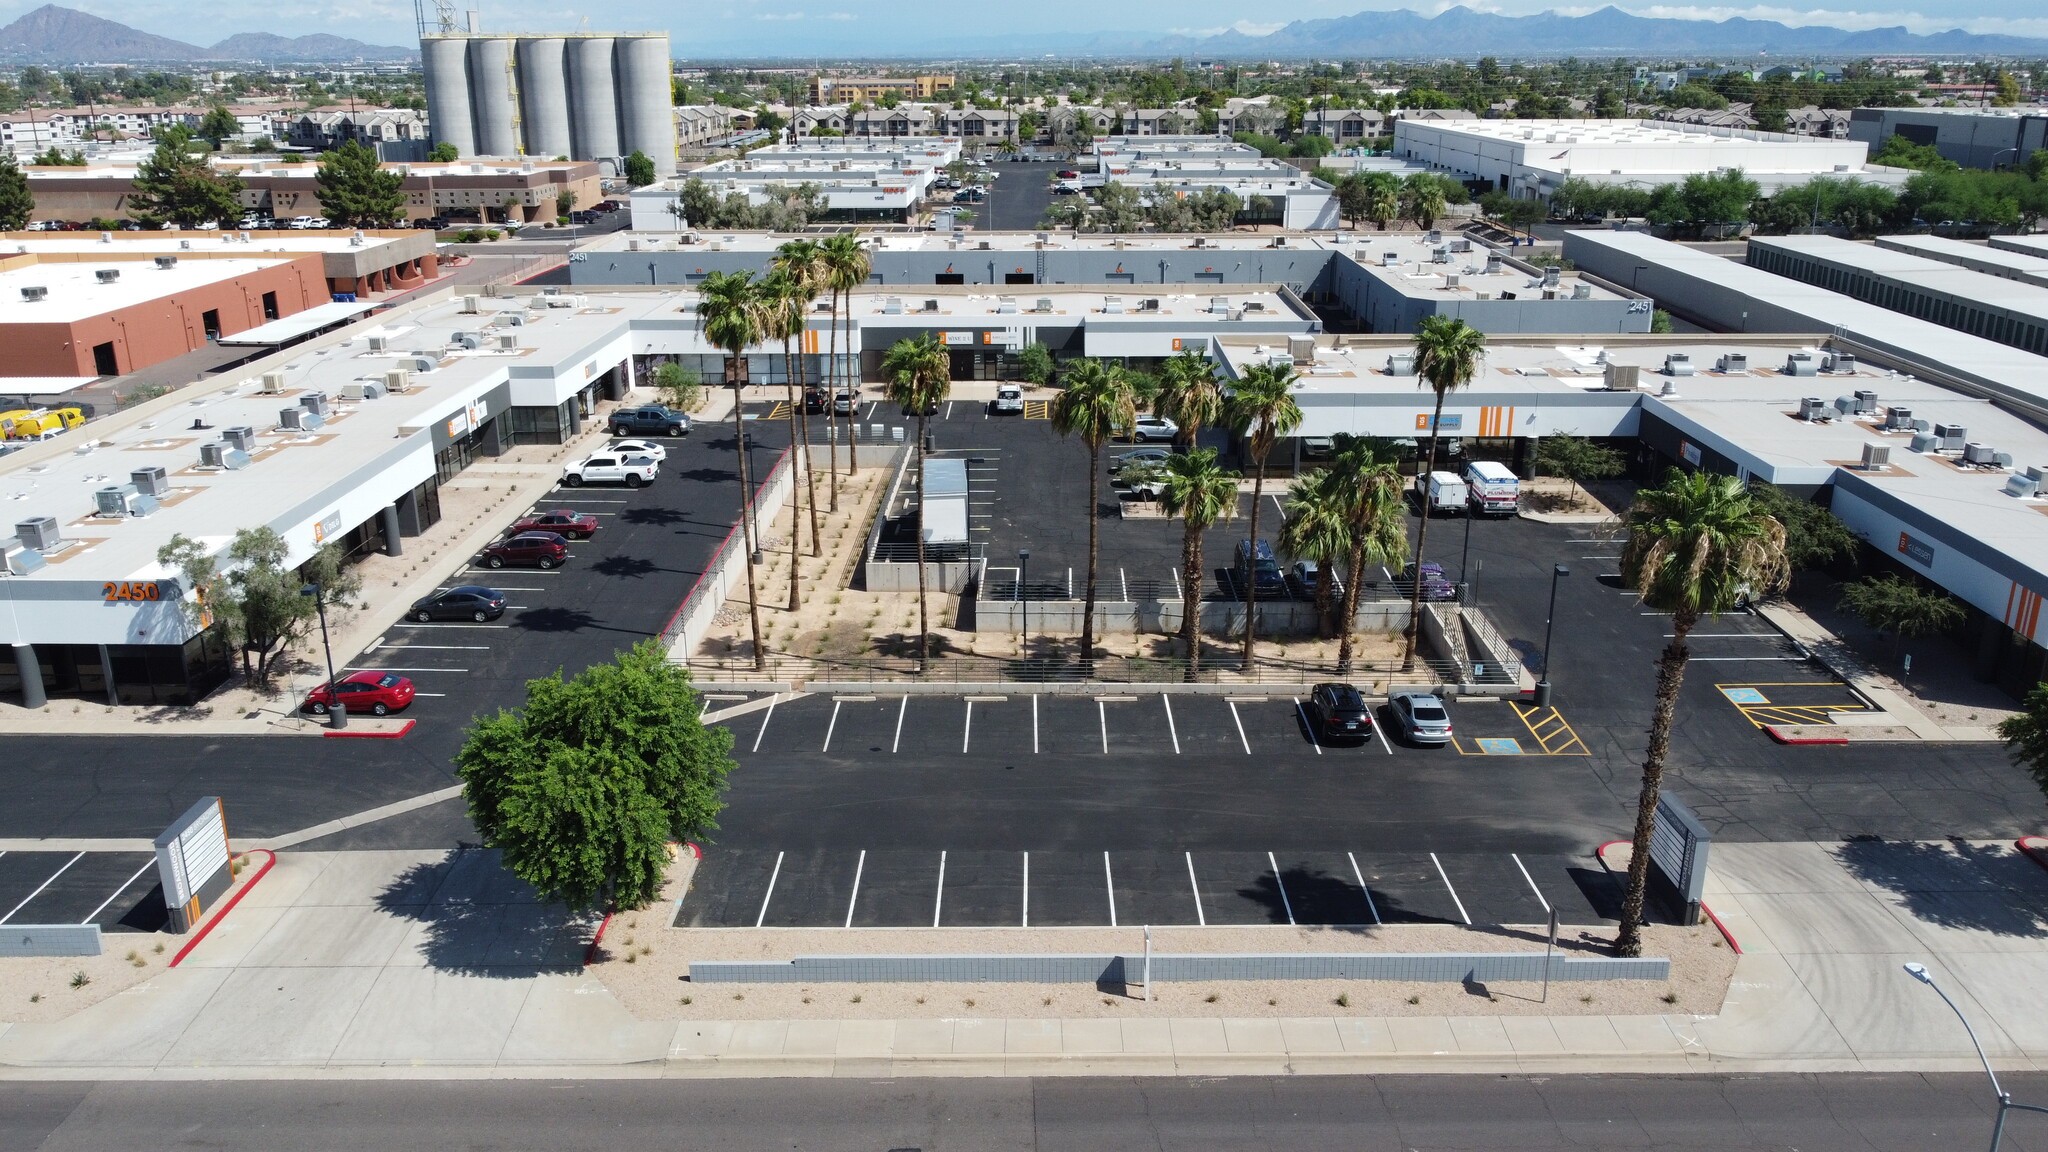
(1009, 398)
(39, 424)
(611, 468)
(650, 420)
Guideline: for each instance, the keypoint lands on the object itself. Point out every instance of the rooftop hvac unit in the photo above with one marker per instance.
(1802, 364)
(474, 304)
(222, 456)
(167, 262)
(1877, 457)
(1732, 362)
(1044, 304)
(1149, 304)
(1390, 259)
(507, 341)
(1450, 281)
(2022, 486)
(418, 364)
(2037, 473)
(1925, 442)
(511, 320)
(33, 293)
(1461, 244)
(1401, 364)
(1677, 364)
(39, 533)
(271, 384)
(123, 500)
(1302, 348)
(931, 305)
(984, 246)
(1623, 377)
(397, 379)
(1812, 408)
(151, 481)
(1436, 236)
(1552, 277)
(377, 343)
(1582, 291)
(184, 245)
(632, 245)
(1866, 401)
(18, 559)
(299, 420)
(316, 403)
(241, 438)
(1493, 264)
(1440, 255)
(471, 341)
(1219, 305)
(107, 275)
(2001, 459)
(1845, 407)
(1112, 304)
(1951, 436)
(892, 306)
(1841, 362)
(560, 301)
(362, 390)
(1975, 453)
(1898, 419)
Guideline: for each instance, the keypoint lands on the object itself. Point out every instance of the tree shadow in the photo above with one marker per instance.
(1955, 884)
(654, 517)
(710, 475)
(625, 567)
(554, 620)
(903, 645)
(1311, 896)
(477, 919)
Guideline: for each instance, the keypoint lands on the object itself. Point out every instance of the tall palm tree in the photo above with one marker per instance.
(782, 318)
(1696, 547)
(1318, 529)
(1199, 491)
(1447, 356)
(847, 266)
(1379, 532)
(1382, 198)
(1261, 410)
(730, 310)
(1190, 394)
(919, 371)
(1094, 402)
(1422, 198)
(800, 261)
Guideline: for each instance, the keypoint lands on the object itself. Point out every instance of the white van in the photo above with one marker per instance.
(1440, 494)
(1492, 488)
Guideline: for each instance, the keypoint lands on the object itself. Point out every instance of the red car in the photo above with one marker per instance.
(561, 521)
(377, 693)
(540, 549)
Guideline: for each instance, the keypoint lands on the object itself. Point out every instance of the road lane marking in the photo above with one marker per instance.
(43, 885)
(1382, 735)
(1532, 882)
(859, 867)
(770, 893)
(1448, 888)
(1282, 886)
(1196, 887)
(1362, 887)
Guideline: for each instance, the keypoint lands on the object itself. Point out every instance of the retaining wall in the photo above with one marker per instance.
(50, 940)
(1163, 617)
(1434, 967)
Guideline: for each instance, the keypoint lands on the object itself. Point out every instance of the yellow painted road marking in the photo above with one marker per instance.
(780, 411)
(1550, 730)
(1780, 712)
(1038, 409)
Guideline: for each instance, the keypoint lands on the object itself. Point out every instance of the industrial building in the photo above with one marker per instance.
(584, 95)
(1989, 306)
(1391, 282)
(2012, 265)
(362, 262)
(2026, 245)
(1532, 158)
(861, 181)
(1971, 137)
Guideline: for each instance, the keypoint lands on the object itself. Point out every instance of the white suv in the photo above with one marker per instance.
(1009, 398)
(611, 468)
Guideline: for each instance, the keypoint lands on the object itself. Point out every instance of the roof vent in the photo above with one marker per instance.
(166, 262)
(2022, 486)
(892, 306)
(1401, 364)
(106, 275)
(34, 292)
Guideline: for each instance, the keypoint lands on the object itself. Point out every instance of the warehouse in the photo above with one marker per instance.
(1971, 137)
(363, 262)
(1988, 306)
(1392, 281)
(2012, 265)
(860, 182)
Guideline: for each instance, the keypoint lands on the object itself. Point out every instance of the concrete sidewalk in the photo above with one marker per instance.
(434, 964)
(1881, 690)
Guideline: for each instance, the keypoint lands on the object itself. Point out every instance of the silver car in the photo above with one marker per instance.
(1422, 717)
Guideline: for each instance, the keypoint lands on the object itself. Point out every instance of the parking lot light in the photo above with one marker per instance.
(337, 708)
(2005, 1102)
(1549, 620)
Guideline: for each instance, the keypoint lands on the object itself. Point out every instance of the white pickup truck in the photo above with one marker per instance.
(1492, 488)
(1009, 398)
(611, 468)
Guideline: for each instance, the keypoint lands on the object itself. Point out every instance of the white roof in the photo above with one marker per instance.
(299, 323)
(75, 293)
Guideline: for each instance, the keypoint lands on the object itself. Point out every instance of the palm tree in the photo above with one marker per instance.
(1190, 394)
(919, 371)
(1094, 402)
(1422, 198)
(1318, 529)
(782, 318)
(847, 266)
(1382, 198)
(730, 311)
(1196, 489)
(1447, 356)
(799, 260)
(1696, 546)
(1261, 410)
(1379, 533)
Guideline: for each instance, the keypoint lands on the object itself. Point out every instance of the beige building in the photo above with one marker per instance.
(842, 89)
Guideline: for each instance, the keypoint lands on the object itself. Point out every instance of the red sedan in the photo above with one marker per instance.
(377, 693)
(561, 521)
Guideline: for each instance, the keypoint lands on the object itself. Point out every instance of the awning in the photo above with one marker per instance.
(301, 323)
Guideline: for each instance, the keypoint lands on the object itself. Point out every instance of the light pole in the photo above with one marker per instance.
(1024, 594)
(2005, 1102)
(1549, 620)
(337, 708)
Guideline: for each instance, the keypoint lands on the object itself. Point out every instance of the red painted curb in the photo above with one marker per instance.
(2035, 848)
(590, 953)
(694, 850)
(346, 733)
(1781, 738)
(1601, 854)
(228, 907)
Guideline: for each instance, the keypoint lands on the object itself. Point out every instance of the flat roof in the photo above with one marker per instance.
(941, 241)
(1993, 293)
(300, 323)
(75, 293)
(2029, 245)
(1631, 133)
(1415, 271)
(2021, 266)
(293, 242)
(1130, 304)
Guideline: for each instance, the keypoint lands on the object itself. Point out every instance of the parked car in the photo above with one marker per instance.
(1009, 398)
(639, 448)
(1422, 717)
(1255, 564)
(561, 521)
(462, 602)
(649, 420)
(1340, 709)
(1067, 174)
(1146, 429)
(845, 402)
(611, 468)
(302, 222)
(540, 549)
(1123, 460)
(1307, 576)
(814, 399)
(1435, 585)
(378, 693)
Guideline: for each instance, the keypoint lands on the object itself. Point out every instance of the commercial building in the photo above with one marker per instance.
(1972, 137)
(359, 262)
(874, 89)
(1532, 158)
(585, 95)
(1401, 278)
(1272, 192)
(1992, 261)
(1995, 308)
(861, 181)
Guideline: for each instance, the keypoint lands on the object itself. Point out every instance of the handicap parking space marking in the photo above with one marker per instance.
(1552, 733)
(1498, 746)
(1792, 701)
(1743, 695)
(1038, 410)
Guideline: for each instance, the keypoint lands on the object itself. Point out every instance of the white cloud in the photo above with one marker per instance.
(1242, 27)
(780, 16)
(838, 16)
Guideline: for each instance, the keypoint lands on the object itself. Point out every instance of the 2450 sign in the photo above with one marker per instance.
(118, 591)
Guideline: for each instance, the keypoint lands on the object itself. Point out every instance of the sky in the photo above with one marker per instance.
(904, 26)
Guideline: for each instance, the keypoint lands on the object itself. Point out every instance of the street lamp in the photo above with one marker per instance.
(337, 708)
(1549, 619)
(1024, 594)
(2005, 1102)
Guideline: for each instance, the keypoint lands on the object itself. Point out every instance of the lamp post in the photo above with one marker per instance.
(1549, 620)
(2005, 1102)
(1024, 594)
(337, 708)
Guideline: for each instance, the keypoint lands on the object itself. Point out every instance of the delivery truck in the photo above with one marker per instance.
(1492, 489)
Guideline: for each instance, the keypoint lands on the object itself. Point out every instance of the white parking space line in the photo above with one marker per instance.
(1102, 718)
(1746, 659)
(1447, 887)
(967, 733)
(764, 726)
(900, 710)
(1383, 737)
(939, 898)
(829, 727)
(1282, 886)
(1724, 636)
(1196, 888)
(1034, 723)
(859, 867)
(1241, 739)
(1599, 557)
(510, 588)
(146, 866)
(529, 571)
(1109, 882)
(434, 694)
(1027, 889)
(1531, 881)
(770, 893)
(417, 624)
(43, 885)
(1359, 876)
(1170, 729)
(949, 411)
(1303, 712)
(431, 647)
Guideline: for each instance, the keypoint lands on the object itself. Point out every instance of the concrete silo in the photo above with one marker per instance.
(593, 98)
(544, 96)
(493, 103)
(445, 61)
(646, 113)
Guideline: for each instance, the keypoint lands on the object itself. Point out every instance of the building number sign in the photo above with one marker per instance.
(118, 591)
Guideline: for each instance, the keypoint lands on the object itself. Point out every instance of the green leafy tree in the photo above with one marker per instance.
(919, 372)
(445, 153)
(1095, 400)
(639, 169)
(217, 125)
(1423, 198)
(1261, 410)
(2026, 735)
(246, 592)
(356, 192)
(1899, 152)
(1379, 198)
(1195, 488)
(1694, 96)
(1447, 354)
(565, 203)
(1697, 546)
(1034, 363)
(1814, 536)
(1190, 393)
(731, 312)
(1577, 459)
(17, 203)
(1892, 603)
(584, 788)
(678, 387)
(172, 186)
(1370, 472)
(55, 157)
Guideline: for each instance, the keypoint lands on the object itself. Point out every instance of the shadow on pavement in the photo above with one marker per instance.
(1956, 884)
(481, 920)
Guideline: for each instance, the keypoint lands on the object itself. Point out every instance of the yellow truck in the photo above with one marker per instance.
(38, 423)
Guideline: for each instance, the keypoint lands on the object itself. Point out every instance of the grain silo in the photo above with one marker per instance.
(584, 96)
(646, 100)
(494, 100)
(593, 97)
(445, 61)
(544, 96)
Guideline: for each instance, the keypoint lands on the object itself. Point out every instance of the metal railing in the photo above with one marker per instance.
(707, 583)
(957, 668)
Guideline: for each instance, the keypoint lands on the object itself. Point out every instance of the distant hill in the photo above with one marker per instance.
(54, 35)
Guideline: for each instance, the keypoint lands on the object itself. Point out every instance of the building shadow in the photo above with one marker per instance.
(477, 919)
(1955, 884)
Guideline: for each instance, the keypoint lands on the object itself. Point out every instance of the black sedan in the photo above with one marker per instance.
(1340, 709)
(463, 602)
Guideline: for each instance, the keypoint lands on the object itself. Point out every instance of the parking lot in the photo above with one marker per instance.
(116, 890)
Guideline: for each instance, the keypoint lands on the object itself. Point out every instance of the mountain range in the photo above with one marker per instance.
(54, 35)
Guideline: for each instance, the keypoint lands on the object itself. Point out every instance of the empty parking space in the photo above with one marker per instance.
(1408, 888)
(1073, 725)
(981, 890)
(862, 725)
(986, 726)
(116, 890)
(1492, 890)
(1239, 888)
(786, 726)
(1154, 888)
(1067, 889)
(1321, 888)
(897, 889)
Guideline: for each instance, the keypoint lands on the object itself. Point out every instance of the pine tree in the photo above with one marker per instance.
(174, 187)
(355, 192)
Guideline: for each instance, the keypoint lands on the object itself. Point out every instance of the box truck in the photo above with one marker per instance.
(1493, 489)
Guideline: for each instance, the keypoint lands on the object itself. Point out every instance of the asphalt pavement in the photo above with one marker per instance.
(1020, 198)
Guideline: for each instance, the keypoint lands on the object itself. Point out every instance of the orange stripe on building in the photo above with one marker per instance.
(2011, 595)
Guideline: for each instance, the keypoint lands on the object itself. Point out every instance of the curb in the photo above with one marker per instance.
(347, 734)
(228, 907)
(1781, 738)
(2035, 848)
(1600, 854)
(590, 953)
